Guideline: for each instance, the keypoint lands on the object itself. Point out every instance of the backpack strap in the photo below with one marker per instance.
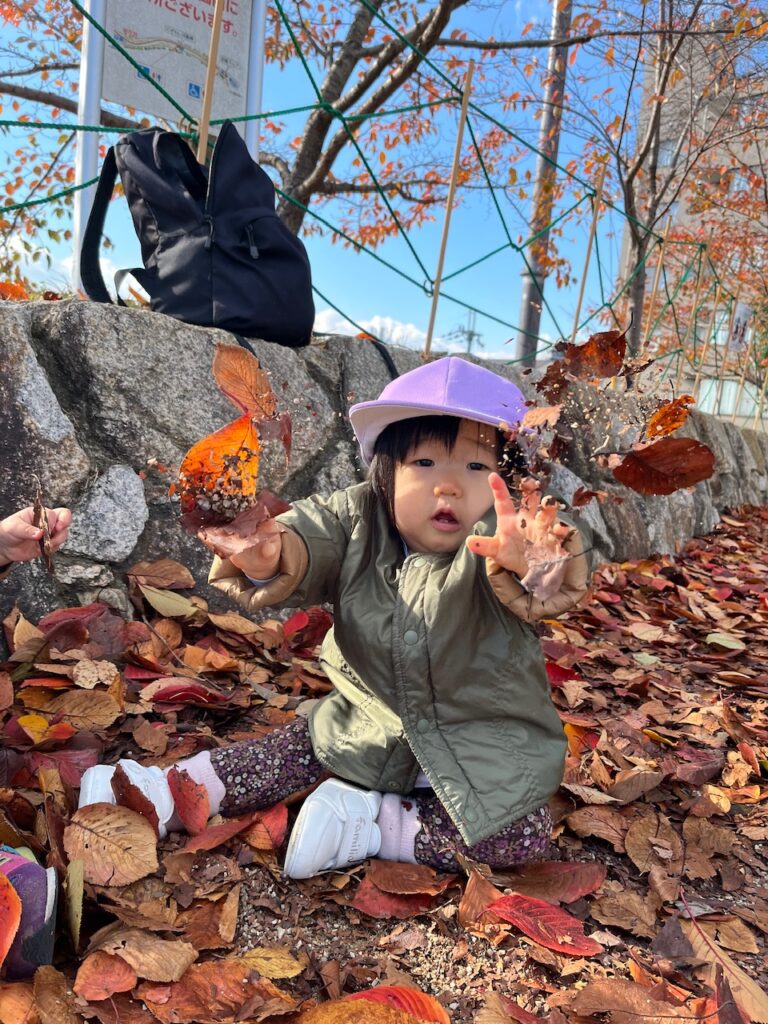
(90, 268)
(384, 352)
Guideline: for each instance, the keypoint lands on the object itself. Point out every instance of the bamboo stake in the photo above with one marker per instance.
(656, 281)
(448, 209)
(723, 368)
(708, 340)
(210, 79)
(759, 413)
(691, 321)
(742, 380)
(588, 256)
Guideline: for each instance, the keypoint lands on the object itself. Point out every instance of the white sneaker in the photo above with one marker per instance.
(335, 828)
(96, 788)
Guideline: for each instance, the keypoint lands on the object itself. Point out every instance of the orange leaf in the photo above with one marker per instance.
(101, 975)
(218, 834)
(190, 799)
(545, 924)
(127, 794)
(417, 1003)
(10, 915)
(666, 466)
(268, 831)
(218, 474)
(371, 900)
(241, 379)
(407, 879)
(669, 417)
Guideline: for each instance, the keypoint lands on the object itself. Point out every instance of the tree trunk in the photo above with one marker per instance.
(637, 301)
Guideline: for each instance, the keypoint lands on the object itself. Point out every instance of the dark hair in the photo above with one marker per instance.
(396, 441)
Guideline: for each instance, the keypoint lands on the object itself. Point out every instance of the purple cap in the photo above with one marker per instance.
(449, 387)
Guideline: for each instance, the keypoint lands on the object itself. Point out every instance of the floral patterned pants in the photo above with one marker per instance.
(259, 773)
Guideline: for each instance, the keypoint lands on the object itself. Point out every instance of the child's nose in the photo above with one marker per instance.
(447, 486)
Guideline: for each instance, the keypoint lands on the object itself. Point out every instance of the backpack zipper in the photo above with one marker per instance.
(208, 221)
(252, 247)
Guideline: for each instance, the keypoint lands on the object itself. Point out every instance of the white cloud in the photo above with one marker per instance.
(394, 332)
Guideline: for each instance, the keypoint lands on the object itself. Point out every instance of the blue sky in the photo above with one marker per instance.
(379, 299)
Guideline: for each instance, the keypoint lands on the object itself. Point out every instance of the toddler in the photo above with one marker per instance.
(440, 732)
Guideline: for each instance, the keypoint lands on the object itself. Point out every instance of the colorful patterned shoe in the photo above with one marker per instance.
(335, 828)
(37, 889)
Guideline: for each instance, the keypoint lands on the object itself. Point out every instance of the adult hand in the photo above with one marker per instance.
(19, 536)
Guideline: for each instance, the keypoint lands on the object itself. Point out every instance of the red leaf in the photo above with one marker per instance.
(129, 795)
(304, 631)
(70, 763)
(549, 926)
(409, 1000)
(556, 881)
(666, 466)
(558, 675)
(190, 800)
(218, 834)
(10, 915)
(370, 900)
(182, 692)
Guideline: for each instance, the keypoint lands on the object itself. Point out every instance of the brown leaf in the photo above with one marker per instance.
(151, 957)
(88, 674)
(554, 881)
(602, 355)
(275, 962)
(407, 879)
(216, 992)
(100, 975)
(17, 1003)
(371, 900)
(6, 691)
(163, 574)
(651, 840)
(626, 1003)
(190, 800)
(666, 466)
(542, 416)
(211, 925)
(478, 896)
(633, 783)
(116, 845)
(85, 711)
(750, 998)
(54, 1002)
(601, 822)
(129, 795)
(633, 911)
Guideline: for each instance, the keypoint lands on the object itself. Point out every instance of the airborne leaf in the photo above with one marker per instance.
(666, 466)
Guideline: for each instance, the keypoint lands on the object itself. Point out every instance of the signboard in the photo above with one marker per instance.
(170, 40)
(738, 339)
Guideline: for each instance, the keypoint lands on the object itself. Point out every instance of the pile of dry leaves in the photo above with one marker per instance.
(655, 911)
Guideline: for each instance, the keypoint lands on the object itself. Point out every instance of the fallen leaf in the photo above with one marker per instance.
(10, 915)
(151, 957)
(116, 845)
(273, 962)
(190, 800)
(17, 1003)
(411, 1000)
(407, 879)
(554, 881)
(100, 975)
(53, 1000)
(751, 999)
(550, 926)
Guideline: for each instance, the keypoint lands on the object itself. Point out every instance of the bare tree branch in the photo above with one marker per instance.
(50, 99)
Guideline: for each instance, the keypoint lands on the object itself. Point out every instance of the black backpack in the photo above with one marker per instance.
(215, 252)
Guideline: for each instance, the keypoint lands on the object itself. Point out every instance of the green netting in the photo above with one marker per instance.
(609, 297)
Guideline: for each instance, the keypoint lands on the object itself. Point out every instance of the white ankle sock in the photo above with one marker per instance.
(398, 821)
(200, 769)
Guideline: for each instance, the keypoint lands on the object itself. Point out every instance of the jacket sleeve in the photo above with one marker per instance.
(315, 533)
(510, 591)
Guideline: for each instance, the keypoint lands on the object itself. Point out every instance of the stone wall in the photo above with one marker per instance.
(92, 396)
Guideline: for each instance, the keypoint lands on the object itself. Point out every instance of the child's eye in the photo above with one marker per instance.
(480, 466)
(423, 462)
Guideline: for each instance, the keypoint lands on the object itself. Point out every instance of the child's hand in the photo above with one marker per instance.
(257, 554)
(19, 538)
(528, 540)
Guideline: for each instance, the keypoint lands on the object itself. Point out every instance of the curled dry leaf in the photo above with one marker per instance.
(17, 1003)
(669, 417)
(190, 800)
(407, 879)
(115, 844)
(163, 574)
(274, 962)
(88, 674)
(601, 355)
(376, 903)
(53, 1000)
(650, 840)
(543, 416)
(100, 975)
(666, 466)
(129, 795)
(626, 1003)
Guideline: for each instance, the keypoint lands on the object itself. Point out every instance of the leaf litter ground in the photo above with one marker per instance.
(654, 906)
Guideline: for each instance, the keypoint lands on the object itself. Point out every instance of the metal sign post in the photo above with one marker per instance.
(88, 112)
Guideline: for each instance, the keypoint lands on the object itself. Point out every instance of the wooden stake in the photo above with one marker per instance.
(721, 378)
(759, 414)
(691, 321)
(210, 79)
(656, 280)
(448, 209)
(707, 339)
(742, 380)
(592, 231)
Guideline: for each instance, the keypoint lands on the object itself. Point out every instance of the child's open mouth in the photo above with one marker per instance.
(445, 520)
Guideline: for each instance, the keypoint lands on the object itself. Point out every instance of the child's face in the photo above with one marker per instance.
(441, 494)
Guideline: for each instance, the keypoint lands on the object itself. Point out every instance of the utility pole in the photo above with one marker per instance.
(545, 179)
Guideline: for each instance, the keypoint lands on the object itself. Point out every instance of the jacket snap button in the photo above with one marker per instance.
(470, 815)
(410, 636)
(393, 786)
(422, 725)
